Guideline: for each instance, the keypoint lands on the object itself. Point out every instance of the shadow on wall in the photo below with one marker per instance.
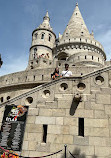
(76, 154)
(74, 106)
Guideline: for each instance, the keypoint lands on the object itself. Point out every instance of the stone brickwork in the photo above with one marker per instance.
(76, 110)
(61, 115)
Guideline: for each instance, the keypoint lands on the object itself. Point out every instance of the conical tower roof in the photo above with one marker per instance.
(76, 26)
(46, 22)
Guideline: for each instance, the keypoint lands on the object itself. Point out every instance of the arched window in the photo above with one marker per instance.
(35, 50)
(8, 97)
(35, 36)
(62, 56)
(42, 36)
(85, 56)
(49, 37)
(35, 54)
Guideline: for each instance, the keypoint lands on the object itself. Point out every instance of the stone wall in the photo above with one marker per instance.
(55, 105)
(17, 83)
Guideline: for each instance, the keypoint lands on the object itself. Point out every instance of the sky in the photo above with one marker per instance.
(18, 18)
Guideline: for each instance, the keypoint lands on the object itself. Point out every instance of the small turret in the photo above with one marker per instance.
(43, 39)
(92, 34)
(76, 26)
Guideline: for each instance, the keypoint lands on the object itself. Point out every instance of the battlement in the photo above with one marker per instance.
(82, 40)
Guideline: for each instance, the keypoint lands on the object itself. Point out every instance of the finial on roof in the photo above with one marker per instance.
(47, 14)
(46, 17)
(76, 26)
(76, 3)
(46, 22)
(92, 34)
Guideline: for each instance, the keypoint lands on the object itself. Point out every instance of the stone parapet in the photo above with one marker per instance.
(77, 50)
(82, 40)
(37, 76)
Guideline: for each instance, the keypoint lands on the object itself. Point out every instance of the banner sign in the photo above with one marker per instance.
(13, 126)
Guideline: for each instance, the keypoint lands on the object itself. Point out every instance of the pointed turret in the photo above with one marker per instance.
(76, 26)
(43, 40)
(77, 46)
(46, 22)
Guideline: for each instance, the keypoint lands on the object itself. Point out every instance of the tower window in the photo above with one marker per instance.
(49, 37)
(92, 57)
(35, 35)
(98, 59)
(42, 36)
(82, 33)
(66, 34)
(8, 97)
(42, 77)
(34, 55)
(44, 133)
(1, 99)
(85, 57)
(35, 49)
(81, 127)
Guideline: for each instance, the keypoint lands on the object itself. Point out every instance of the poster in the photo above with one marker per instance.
(13, 126)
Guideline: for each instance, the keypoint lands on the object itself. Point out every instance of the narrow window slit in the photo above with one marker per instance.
(81, 127)
(42, 77)
(1, 99)
(44, 133)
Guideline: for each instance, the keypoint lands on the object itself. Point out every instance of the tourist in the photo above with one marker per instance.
(66, 72)
(55, 74)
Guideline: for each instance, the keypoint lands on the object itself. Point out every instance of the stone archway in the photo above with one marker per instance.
(62, 56)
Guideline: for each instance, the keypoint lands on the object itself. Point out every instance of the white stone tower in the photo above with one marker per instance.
(43, 39)
(77, 46)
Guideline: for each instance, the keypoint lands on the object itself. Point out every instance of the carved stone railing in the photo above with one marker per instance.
(38, 88)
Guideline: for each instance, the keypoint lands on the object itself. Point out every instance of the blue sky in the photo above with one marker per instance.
(18, 18)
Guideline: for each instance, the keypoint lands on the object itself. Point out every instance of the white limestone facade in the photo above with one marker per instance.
(76, 109)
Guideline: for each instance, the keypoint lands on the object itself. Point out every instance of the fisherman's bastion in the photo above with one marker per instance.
(75, 110)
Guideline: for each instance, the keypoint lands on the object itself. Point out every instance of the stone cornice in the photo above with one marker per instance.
(44, 29)
(40, 45)
(80, 45)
